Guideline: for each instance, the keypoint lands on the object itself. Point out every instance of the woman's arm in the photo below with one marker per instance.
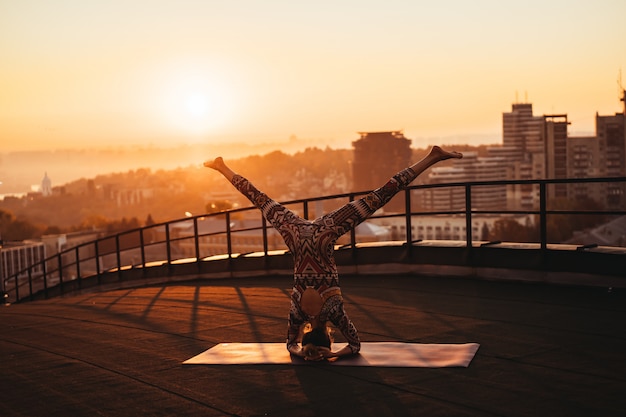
(274, 212)
(296, 350)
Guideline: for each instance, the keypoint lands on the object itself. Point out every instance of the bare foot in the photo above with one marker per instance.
(441, 154)
(216, 164)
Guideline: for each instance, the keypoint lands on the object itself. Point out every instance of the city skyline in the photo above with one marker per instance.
(68, 165)
(81, 75)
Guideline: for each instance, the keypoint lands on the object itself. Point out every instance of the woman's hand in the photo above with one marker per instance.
(328, 354)
(320, 353)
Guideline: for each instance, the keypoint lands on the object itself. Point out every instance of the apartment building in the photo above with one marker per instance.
(539, 147)
(469, 169)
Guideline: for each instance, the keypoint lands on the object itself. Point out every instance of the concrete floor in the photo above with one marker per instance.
(545, 351)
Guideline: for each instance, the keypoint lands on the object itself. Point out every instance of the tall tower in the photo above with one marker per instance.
(378, 156)
(522, 134)
(521, 130)
(46, 186)
(555, 134)
(611, 136)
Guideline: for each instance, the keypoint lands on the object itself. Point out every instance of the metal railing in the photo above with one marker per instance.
(191, 240)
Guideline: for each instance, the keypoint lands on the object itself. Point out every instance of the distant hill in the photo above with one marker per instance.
(19, 171)
(177, 186)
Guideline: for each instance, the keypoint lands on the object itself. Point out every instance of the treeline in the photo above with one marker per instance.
(559, 227)
(14, 229)
(124, 200)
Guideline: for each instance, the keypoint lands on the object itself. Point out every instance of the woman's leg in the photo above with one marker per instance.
(435, 155)
(349, 216)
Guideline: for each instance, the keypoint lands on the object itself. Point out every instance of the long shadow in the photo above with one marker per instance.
(118, 299)
(152, 303)
(193, 320)
(254, 328)
(371, 317)
(352, 391)
(343, 391)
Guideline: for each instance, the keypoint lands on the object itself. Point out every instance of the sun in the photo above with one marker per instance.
(197, 104)
(195, 110)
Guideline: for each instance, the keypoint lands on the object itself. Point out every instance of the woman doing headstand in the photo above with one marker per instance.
(316, 296)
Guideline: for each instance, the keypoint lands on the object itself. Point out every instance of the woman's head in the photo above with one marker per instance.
(312, 340)
(318, 336)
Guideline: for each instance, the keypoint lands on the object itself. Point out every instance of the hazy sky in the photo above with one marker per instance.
(87, 73)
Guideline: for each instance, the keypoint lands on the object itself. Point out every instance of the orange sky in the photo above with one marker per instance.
(78, 73)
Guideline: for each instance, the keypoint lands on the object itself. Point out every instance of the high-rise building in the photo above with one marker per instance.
(544, 150)
(521, 130)
(555, 152)
(378, 156)
(583, 154)
(523, 133)
(603, 155)
(611, 136)
(539, 147)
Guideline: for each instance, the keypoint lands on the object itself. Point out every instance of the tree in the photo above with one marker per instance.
(12, 229)
(484, 232)
(52, 230)
(123, 225)
(507, 229)
(561, 227)
(149, 220)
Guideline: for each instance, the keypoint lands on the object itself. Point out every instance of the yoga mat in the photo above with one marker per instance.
(383, 354)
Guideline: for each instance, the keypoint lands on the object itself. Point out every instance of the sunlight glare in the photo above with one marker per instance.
(196, 103)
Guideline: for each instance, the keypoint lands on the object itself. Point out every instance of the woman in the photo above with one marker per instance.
(316, 297)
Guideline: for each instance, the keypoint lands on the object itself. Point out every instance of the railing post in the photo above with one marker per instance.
(60, 265)
(168, 248)
(45, 278)
(118, 256)
(97, 254)
(78, 277)
(17, 288)
(305, 203)
(468, 215)
(142, 250)
(408, 225)
(543, 221)
(229, 244)
(30, 283)
(196, 241)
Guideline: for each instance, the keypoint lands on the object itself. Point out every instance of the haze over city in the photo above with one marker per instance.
(124, 74)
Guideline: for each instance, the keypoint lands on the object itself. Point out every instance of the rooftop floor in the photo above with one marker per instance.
(545, 351)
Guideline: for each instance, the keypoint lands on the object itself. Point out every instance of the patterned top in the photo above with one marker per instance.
(312, 245)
